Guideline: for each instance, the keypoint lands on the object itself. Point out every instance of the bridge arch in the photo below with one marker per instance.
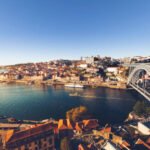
(138, 69)
(135, 77)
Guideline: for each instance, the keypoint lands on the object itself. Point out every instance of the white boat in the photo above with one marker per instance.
(74, 85)
(74, 94)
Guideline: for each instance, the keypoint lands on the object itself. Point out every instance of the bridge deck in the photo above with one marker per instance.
(143, 92)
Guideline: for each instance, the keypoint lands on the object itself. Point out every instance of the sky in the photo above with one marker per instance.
(42, 30)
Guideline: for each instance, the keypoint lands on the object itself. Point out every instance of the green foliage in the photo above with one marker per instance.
(65, 144)
(77, 114)
(141, 108)
(148, 110)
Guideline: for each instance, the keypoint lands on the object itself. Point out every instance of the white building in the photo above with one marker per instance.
(89, 60)
(84, 66)
(113, 70)
(110, 146)
(144, 127)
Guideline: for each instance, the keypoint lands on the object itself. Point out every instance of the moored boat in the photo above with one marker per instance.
(74, 85)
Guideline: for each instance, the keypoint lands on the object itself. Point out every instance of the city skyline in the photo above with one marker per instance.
(34, 31)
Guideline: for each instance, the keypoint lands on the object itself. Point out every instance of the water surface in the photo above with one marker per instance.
(31, 102)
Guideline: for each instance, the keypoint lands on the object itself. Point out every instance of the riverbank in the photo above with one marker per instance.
(111, 85)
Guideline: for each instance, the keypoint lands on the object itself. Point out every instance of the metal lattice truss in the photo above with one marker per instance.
(138, 81)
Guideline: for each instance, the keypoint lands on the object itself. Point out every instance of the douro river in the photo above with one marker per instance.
(37, 103)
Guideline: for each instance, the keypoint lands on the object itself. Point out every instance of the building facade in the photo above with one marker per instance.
(37, 138)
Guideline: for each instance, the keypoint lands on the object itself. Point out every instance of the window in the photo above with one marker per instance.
(36, 142)
(45, 145)
(29, 144)
(26, 147)
(19, 148)
(40, 143)
(50, 148)
(36, 148)
(50, 141)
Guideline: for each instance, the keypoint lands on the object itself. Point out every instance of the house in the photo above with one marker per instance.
(105, 133)
(113, 70)
(39, 137)
(90, 124)
(79, 127)
(64, 124)
(90, 60)
(134, 116)
(86, 125)
(141, 145)
(65, 128)
(15, 126)
(83, 65)
(74, 78)
(144, 127)
(119, 141)
(3, 76)
(108, 145)
(86, 147)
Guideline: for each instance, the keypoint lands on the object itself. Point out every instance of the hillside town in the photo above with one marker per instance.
(89, 71)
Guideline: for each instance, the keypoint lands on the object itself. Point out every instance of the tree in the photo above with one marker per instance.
(77, 114)
(141, 108)
(65, 144)
(148, 110)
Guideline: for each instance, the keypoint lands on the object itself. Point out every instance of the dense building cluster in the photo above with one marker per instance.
(87, 71)
(82, 135)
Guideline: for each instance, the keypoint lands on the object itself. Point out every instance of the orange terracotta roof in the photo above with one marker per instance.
(125, 143)
(64, 124)
(79, 126)
(83, 147)
(108, 129)
(90, 123)
(6, 135)
(148, 140)
(30, 132)
(141, 142)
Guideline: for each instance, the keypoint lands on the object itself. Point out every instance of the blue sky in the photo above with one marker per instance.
(41, 30)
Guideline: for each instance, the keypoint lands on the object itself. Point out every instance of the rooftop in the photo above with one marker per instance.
(30, 132)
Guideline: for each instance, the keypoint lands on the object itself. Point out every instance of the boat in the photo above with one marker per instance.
(74, 94)
(74, 85)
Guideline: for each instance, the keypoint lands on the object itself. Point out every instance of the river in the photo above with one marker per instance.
(41, 102)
